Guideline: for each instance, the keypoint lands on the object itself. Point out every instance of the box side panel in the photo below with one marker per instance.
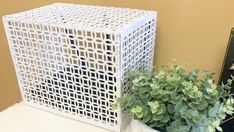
(7, 28)
(68, 71)
(137, 51)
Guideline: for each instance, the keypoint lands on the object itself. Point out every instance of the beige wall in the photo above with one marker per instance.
(193, 31)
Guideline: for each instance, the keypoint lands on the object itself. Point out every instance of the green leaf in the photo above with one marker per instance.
(137, 109)
(185, 128)
(219, 128)
(193, 105)
(159, 124)
(178, 106)
(165, 98)
(157, 117)
(156, 124)
(229, 112)
(202, 105)
(193, 75)
(199, 128)
(213, 99)
(139, 115)
(160, 111)
(174, 96)
(229, 81)
(165, 119)
(209, 91)
(146, 119)
(153, 106)
(176, 124)
(184, 111)
(214, 110)
(198, 118)
(211, 129)
(221, 115)
(230, 107)
(198, 94)
(207, 96)
(136, 82)
(230, 101)
(232, 77)
(154, 86)
(189, 121)
(160, 75)
(170, 108)
(194, 113)
(153, 124)
(215, 123)
(227, 87)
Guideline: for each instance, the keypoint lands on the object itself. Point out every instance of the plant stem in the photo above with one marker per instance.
(227, 95)
(224, 121)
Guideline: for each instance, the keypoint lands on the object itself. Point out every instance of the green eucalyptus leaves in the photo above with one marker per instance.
(175, 101)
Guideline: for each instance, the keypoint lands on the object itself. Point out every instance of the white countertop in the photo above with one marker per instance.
(23, 118)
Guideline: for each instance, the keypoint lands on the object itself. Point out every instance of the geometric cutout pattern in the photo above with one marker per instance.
(72, 59)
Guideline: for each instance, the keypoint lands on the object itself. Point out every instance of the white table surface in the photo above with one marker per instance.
(23, 118)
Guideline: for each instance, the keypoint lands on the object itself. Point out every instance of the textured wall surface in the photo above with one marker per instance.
(193, 31)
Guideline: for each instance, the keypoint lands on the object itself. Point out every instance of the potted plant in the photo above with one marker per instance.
(173, 100)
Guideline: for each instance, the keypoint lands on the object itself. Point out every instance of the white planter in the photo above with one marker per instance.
(72, 59)
(137, 126)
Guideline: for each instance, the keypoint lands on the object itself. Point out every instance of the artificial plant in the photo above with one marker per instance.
(176, 101)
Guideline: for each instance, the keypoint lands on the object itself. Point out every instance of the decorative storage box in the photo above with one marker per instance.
(72, 59)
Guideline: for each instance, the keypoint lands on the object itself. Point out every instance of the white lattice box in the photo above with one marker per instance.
(71, 59)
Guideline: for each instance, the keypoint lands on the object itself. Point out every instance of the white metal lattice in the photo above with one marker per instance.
(72, 59)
